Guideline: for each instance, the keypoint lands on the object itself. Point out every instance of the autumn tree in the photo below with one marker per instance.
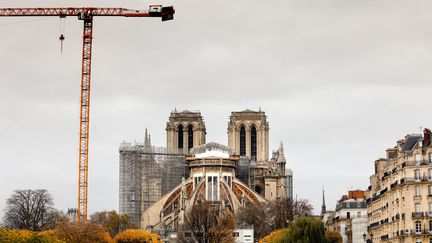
(333, 236)
(31, 210)
(207, 223)
(85, 232)
(112, 221)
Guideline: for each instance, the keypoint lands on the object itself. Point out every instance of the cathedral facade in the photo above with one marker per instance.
(230, 176)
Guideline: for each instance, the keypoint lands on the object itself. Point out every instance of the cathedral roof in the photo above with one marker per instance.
(212, 149)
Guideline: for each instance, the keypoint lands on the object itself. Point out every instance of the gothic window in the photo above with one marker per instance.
(253, 142)
(190, 136)
(180, 136)
(242, 141)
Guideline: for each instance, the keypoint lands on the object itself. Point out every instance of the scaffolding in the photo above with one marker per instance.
(147, 173)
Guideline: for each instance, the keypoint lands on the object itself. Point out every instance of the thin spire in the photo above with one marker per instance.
(323, 207)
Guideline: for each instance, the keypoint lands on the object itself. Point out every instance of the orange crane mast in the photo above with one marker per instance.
(86, 14)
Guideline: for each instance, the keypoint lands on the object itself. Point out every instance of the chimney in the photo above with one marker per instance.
(426, 137)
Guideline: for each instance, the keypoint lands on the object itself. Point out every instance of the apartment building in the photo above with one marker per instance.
(399, 198)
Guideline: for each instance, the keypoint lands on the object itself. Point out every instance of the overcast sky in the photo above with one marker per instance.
(340, 81)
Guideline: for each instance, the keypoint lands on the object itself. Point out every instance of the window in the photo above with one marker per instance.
(430, 157)
(242, 141)
(430, 207)
(418, 227)
(358, 214)
(212, 188)
(190, 136)
(348, 215)
(417, 208)
(430, 225)
(417, 174)
(418, 157)
(180, 136)
(429, 190)
(253, 142)
(430, 174)
(417, 191)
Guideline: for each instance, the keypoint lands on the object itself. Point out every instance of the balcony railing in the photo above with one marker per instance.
(417, 215)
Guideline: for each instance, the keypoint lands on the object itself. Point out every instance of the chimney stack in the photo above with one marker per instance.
(426, 137)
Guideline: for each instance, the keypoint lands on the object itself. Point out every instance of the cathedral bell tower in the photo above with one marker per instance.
(248, 134)
(185, 130)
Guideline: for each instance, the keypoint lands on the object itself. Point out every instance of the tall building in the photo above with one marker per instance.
(399, 198)
(149, 174)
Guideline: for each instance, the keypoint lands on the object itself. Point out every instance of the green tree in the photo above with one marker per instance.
(306, 229)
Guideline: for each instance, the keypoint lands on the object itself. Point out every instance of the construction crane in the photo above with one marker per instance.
(86, 14)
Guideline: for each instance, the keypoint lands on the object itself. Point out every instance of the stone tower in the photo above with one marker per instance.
(248, 134)
(185, 130)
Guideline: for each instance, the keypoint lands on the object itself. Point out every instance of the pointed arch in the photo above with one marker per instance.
(253, 142)
(180, 136)
(242, 140)
(190, 136)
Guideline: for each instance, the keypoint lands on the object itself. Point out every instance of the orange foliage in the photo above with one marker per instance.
(275, 236)
(136, 236)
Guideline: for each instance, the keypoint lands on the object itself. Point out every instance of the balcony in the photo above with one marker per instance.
(384, 237)
(418, 215)
(428, 214)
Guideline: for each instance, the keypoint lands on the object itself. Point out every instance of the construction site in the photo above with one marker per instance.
(146, 174)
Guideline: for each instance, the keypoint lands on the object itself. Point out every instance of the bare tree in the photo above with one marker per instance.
(207, 223)
(255, 216)
(283, 211)
(273, 215)
(30, 209)
(112, 221)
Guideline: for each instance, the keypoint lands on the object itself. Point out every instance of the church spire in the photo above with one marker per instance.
(323, 207)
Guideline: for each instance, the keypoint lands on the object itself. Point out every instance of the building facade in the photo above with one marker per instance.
(399, 198)
(149, 174)
(349, 218)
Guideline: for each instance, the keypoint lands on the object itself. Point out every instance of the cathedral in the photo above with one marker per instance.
(168, 181)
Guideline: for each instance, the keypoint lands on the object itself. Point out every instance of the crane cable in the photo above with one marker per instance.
(62, 27)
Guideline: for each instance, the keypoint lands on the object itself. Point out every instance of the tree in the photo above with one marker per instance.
(274, 215)
(205, 222)
(285, 210)
(333, 236)
(85, 232)
(30, 209)
(307, 229)
(112, 221)
(136, 236)
(255, 216)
